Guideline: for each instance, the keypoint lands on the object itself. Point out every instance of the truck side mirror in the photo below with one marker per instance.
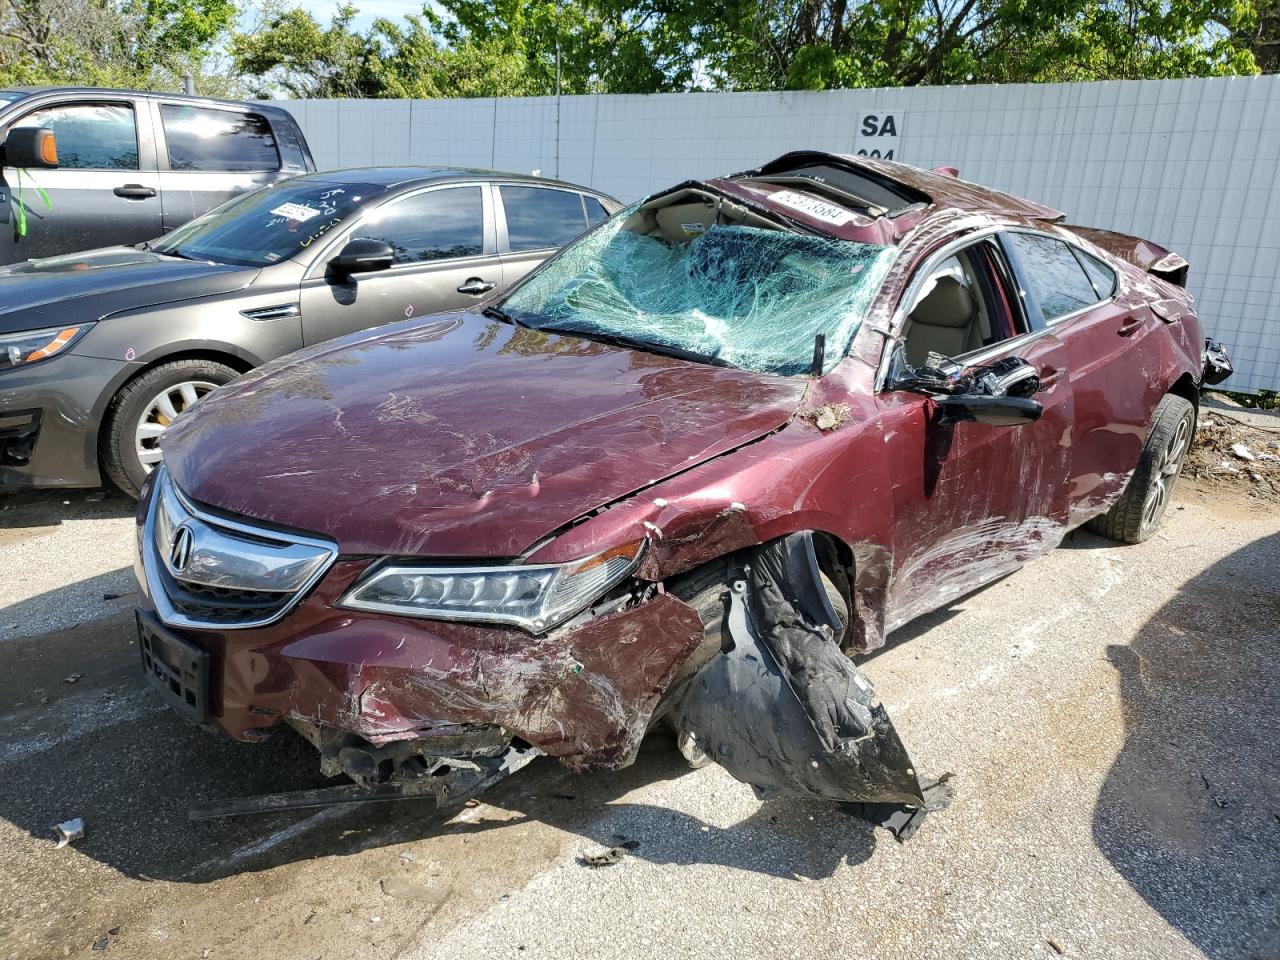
(33, 147)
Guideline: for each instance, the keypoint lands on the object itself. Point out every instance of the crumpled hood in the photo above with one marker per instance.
(460, 436)
(94, 284)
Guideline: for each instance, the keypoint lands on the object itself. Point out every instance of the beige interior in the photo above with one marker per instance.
(686, 214)
(949, 317)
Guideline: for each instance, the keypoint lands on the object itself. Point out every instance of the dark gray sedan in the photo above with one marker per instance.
(100, 351)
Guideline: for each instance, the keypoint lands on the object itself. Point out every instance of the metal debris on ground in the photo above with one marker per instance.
(72, 678)
(606, 857)
(68, 831)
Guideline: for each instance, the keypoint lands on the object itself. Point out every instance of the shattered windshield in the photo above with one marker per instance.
(749, 297)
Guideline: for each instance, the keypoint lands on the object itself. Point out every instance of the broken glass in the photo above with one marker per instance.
(750, 297)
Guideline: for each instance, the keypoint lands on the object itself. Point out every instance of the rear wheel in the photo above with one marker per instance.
(143, 410)
(1137, 514)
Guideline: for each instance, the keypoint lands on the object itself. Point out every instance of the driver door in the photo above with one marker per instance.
(445, 258)
(972, 502)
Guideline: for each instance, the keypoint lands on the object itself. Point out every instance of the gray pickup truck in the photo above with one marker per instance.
(129, 166)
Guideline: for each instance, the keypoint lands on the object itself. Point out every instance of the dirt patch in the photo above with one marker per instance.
(1227, 453)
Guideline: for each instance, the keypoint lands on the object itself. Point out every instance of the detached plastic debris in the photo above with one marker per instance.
(1241, 451)
(68, 831)
(607, 857)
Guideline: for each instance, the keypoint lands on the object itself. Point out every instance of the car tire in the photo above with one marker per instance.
(1137, 514)
(139, 408)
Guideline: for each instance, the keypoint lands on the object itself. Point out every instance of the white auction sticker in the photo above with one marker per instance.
(812, 206)
(296, 211)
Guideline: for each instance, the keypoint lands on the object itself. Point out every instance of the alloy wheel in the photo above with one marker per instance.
(160, 412)
(1166, 472)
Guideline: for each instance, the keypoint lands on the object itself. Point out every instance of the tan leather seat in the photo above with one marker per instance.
(944, 322)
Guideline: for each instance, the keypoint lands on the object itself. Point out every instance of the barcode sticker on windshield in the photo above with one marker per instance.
(813, 207)
(296, 211)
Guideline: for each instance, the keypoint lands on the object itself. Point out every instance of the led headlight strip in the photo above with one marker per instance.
(533, 597)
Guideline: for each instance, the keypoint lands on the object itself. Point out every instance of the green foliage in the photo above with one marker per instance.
(469, 48)
(149, 44)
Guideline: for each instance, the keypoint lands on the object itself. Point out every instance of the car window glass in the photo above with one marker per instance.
(1103, 277)
(439, 225)
(595, 210)
(91, 136)
(1060, 283)
(270, 224)
(201, 139)
(538, 218)
(961, 306)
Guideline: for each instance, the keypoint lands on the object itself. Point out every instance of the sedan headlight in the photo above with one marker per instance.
(32, 346)
(535, 598)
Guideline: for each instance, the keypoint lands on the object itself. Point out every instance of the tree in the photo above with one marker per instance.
(1264, 40)
(817, 44)
(150, 44)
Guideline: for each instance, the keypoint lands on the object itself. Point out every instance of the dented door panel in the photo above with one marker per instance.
(973, 502)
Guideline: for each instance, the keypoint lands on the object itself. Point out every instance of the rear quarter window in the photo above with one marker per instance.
(1101, 275)
(217, 140)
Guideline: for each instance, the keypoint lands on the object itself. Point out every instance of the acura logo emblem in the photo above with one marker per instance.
(180, 549)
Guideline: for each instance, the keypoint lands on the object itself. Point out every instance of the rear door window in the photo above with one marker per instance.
(91, 136)
(217, 140)
(439, 225)
(538, 217)
(1059, 283)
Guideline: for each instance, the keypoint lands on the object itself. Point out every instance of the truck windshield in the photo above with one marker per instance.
(268, 225)
(733, 295)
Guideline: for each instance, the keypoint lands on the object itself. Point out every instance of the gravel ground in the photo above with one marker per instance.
(1109, 713)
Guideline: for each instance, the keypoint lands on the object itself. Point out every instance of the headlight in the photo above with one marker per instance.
(32, 346)
(532, 597)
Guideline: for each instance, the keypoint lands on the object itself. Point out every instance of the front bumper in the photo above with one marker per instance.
(49, 420)
(585, 694)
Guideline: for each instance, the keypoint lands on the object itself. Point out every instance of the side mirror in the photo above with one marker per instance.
(362, 255)
(35, 147)
(993, 411)
(997, 394)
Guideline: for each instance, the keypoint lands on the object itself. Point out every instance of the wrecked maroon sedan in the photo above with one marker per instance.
(686, 470)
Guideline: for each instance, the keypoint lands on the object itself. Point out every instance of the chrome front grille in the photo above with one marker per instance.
(204, 570)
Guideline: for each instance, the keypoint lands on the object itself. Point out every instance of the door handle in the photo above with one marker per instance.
(134, 191)
(476, 286)
(1049, 376)
(1129, 325)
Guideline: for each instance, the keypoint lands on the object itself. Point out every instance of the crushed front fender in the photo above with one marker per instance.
(781, 707)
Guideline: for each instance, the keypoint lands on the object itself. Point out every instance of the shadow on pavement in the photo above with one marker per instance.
(48, 508)
(1190, 812)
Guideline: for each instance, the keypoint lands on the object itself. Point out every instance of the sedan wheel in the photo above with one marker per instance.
(1137, 514)
(160, 412)
(1167, 469)
(143, 410)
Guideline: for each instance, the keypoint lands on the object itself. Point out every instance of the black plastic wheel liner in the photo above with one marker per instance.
(782, 708)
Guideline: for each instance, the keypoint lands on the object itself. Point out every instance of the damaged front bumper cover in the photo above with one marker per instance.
(784, 710)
